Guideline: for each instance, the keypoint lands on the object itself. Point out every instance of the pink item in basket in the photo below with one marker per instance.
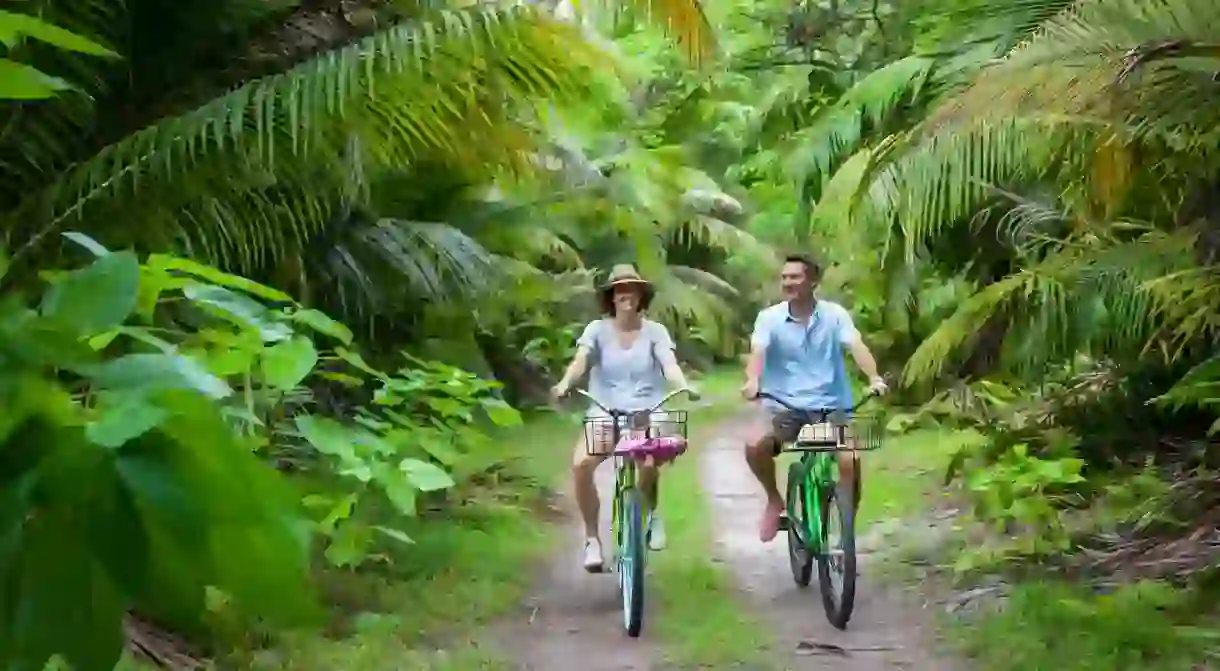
(660, 449)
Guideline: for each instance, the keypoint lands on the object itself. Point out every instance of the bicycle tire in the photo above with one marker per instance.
(799, 558)
(631, 562)
(838, 500)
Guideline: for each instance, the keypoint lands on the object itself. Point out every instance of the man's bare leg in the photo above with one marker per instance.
(849, 474)
(760, 456)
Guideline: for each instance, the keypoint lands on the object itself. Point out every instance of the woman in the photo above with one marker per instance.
(629, 359)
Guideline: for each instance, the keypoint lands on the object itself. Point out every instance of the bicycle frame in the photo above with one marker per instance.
(819, 469)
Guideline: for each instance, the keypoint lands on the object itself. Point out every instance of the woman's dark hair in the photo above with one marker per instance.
(606, 299)
(813, 270)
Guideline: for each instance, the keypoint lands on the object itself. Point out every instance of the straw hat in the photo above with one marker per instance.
(624, 274)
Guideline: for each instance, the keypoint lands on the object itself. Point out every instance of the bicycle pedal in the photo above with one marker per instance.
(784, 523)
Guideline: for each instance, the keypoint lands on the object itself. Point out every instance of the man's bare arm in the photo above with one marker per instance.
(863, 357)
(754, 363)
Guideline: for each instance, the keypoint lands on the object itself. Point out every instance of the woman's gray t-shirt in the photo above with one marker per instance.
(626, 378)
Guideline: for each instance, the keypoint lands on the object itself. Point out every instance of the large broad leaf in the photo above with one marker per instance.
(98, 297)
(122, 417)
(66, 604)
(321, 323)
(349, 545)
(238, 309)
(287, 363)
(256, 541)
(500, 413)
(327, 436)
(217, 277)
(425, 476)
(13, 26)
(147, 372)
(19, 81)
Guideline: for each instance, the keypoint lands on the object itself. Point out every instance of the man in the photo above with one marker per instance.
(796, 354)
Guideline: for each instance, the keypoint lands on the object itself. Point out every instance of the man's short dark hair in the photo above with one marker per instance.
(813, 270)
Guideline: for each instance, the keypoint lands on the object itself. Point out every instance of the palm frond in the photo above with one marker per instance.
(1088, 294)
(837, 129)
(392, 260)
(1146, 64)
(442, 87)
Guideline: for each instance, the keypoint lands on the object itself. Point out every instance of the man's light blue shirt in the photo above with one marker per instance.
(803, 362)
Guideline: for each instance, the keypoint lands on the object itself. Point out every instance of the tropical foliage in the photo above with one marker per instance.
(1015, 197)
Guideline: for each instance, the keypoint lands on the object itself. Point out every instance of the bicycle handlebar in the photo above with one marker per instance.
(867, 397)
(624, 413)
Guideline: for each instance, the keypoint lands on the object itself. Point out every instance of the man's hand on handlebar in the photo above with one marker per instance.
(559, 391)
(877, 386)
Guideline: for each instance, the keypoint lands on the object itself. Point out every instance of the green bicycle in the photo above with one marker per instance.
(644, 442)
(817, 502)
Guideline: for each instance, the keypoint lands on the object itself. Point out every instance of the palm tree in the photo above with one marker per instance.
(316, 93)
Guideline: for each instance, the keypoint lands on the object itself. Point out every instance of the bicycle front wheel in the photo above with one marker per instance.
(837, 560)
(631, 561)
(799, 557)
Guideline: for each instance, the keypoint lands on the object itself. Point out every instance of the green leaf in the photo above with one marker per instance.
(340, 511)
(354, 358)
(87, 242)
(146, 372)
(327, 436)
(321, 323)
(289, 362)
(239, 309)
(395, 534)
(206, 272)
(349, 545)
(206, 488)
(13, 26)
(19, 81)
(425, 476)
(66, 604)
(98, 297)
(399, 490)
(501, 413)
(122, 418)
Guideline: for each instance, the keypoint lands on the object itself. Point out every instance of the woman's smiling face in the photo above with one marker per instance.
(626, 298)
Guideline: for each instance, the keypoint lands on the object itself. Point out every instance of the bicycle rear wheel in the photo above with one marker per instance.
(631, 561)
(799, 558)
(837, 561)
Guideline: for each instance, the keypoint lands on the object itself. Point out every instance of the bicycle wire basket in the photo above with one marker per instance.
(865, 431)
(599, 430)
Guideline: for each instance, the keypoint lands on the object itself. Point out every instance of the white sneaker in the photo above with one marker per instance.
(656, 533)
(593, 556)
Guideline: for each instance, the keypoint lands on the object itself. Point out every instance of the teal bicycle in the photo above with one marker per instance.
(652, 436)
(817, 502)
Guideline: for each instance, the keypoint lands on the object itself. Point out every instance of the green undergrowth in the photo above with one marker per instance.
(701, 619)
(469, 563)
(1052, 625)
(904, 478)
(1044, 623)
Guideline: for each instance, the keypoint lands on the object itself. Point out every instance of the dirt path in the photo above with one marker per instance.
(574, 620)
(886, 632)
